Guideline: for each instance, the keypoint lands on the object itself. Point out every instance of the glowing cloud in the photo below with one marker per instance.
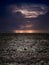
(28, 31)
(20, 18)
(31, 11)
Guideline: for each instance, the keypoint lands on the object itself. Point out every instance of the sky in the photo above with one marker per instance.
(24, 16)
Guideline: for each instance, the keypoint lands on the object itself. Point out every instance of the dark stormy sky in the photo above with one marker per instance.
(24, 15)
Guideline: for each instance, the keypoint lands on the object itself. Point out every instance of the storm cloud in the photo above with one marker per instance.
(27, 17)
(29, 11)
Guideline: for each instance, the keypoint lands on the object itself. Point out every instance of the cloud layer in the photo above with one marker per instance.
(30, 11)
(25, 17)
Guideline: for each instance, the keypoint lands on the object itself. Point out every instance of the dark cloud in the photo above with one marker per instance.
(24, 17)
(29, 11)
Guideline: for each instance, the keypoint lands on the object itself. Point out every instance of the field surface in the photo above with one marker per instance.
(24, 49)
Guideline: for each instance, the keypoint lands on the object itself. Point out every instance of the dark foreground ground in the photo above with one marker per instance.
(24, 49)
